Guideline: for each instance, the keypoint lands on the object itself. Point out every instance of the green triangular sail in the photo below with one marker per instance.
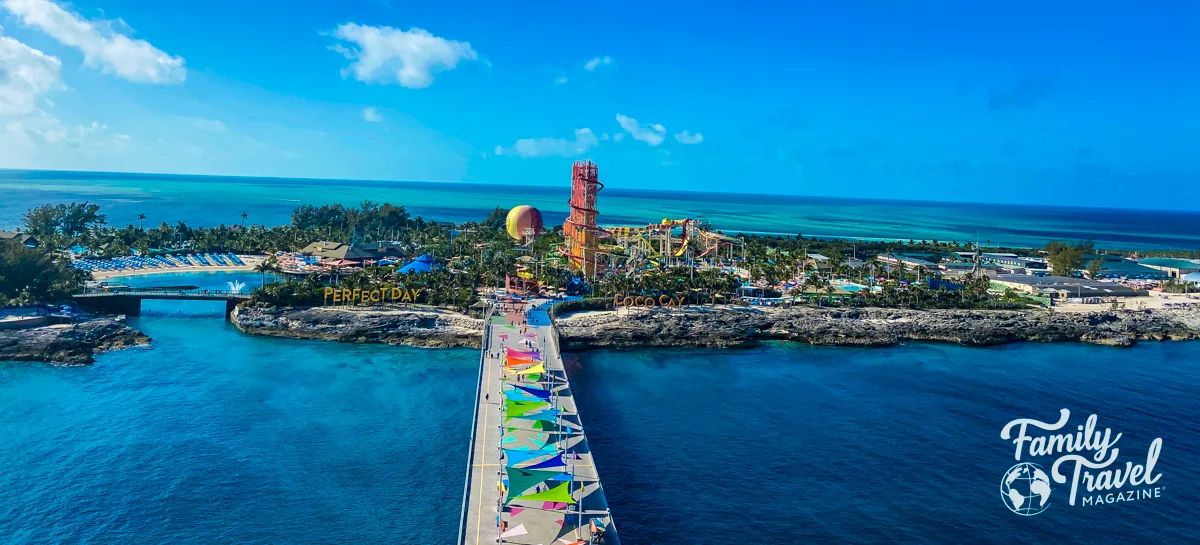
(518, 408)
(520, 480)
(558, 494)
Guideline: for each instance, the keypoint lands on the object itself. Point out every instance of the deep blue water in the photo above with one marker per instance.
(213, 200)
(798, 444)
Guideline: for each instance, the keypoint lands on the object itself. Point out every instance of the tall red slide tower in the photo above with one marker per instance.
(580, 230)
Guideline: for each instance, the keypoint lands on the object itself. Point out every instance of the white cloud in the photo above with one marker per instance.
(650, 134)
(408, 57)
(561, 81)
(102, 45)
(689, 138)
(546, 147)
(210, 125)
(25, 75)
(592, 64)
(618, 137)
(371, 115)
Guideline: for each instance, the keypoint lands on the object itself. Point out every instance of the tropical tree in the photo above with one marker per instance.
(269, 265)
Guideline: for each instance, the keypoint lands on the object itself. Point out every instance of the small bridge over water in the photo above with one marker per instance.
(129, 301)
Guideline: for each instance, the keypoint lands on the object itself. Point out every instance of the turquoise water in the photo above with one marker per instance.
(204, 201)
(212, 436)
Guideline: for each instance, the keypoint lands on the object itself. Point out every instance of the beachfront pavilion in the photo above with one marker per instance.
(1174, 267)
(357, 253)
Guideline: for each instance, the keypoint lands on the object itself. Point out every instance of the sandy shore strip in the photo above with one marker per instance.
(250, 262)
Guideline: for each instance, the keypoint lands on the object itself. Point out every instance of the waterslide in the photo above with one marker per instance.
(684, 245)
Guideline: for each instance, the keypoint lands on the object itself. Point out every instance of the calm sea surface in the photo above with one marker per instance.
(212, 436)
(203, 201)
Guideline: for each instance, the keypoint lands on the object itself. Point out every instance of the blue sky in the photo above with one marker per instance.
(1089, 103)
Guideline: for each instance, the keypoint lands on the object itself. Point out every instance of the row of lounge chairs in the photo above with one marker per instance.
(158, 262)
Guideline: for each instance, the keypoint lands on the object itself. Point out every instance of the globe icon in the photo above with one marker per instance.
(1025, 489)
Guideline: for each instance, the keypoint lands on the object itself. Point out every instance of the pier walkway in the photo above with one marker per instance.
(531, 479)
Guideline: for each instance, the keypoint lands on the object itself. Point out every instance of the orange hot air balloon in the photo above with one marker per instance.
(522, 218)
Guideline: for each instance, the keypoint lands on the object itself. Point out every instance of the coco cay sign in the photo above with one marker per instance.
(365, 297)
(648, 301)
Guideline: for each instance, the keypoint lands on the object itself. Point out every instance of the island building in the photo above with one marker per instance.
(1174, 267)
(352, 254)
(910, 260)
(1062, 287)
(1015, 264)
(28, 240)
(1115, 266)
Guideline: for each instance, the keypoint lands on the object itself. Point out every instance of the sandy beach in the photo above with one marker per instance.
(250, 262)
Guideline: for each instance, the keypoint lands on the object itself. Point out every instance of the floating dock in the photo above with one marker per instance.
(530, 479)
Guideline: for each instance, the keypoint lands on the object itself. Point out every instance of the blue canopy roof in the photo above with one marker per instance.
(424, 263)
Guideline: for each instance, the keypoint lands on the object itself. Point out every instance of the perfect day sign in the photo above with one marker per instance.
(394, 294)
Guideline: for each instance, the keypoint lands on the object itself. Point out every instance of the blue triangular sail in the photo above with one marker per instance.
(556, 461)
(538, 392)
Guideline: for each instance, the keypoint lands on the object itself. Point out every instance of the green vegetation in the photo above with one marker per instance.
(698, 286)
(1067, 258)
(1175, 286)
(34, 275)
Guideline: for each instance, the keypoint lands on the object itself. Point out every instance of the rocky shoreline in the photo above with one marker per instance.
(68, 344)
(745, 327)
(730, 327)
(433, 328)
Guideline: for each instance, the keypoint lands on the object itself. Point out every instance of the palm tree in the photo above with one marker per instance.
(269, 265)
(140, 218)
(244, 216)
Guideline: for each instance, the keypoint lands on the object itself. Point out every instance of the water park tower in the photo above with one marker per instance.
(580, 230)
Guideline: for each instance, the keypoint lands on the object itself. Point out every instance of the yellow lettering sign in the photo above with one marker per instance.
(621, 300)
(361, 296)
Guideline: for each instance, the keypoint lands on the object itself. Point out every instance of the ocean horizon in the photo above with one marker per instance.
(203, 200)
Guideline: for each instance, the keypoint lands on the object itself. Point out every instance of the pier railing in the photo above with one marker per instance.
(99, 292)
(483, 350)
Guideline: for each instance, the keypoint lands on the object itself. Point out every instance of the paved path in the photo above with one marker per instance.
(545, 523)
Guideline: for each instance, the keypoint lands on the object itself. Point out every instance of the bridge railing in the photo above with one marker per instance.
(483, 351)
(101, 292)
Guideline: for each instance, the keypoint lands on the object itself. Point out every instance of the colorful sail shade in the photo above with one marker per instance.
(520, 480)
(538, 392)
(536, 369)
(560, 493)
(556, 461)
(518, 457)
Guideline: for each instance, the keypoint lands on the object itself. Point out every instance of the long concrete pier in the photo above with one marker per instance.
(557, 497)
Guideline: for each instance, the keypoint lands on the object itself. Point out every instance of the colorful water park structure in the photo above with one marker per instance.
(591, 249)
